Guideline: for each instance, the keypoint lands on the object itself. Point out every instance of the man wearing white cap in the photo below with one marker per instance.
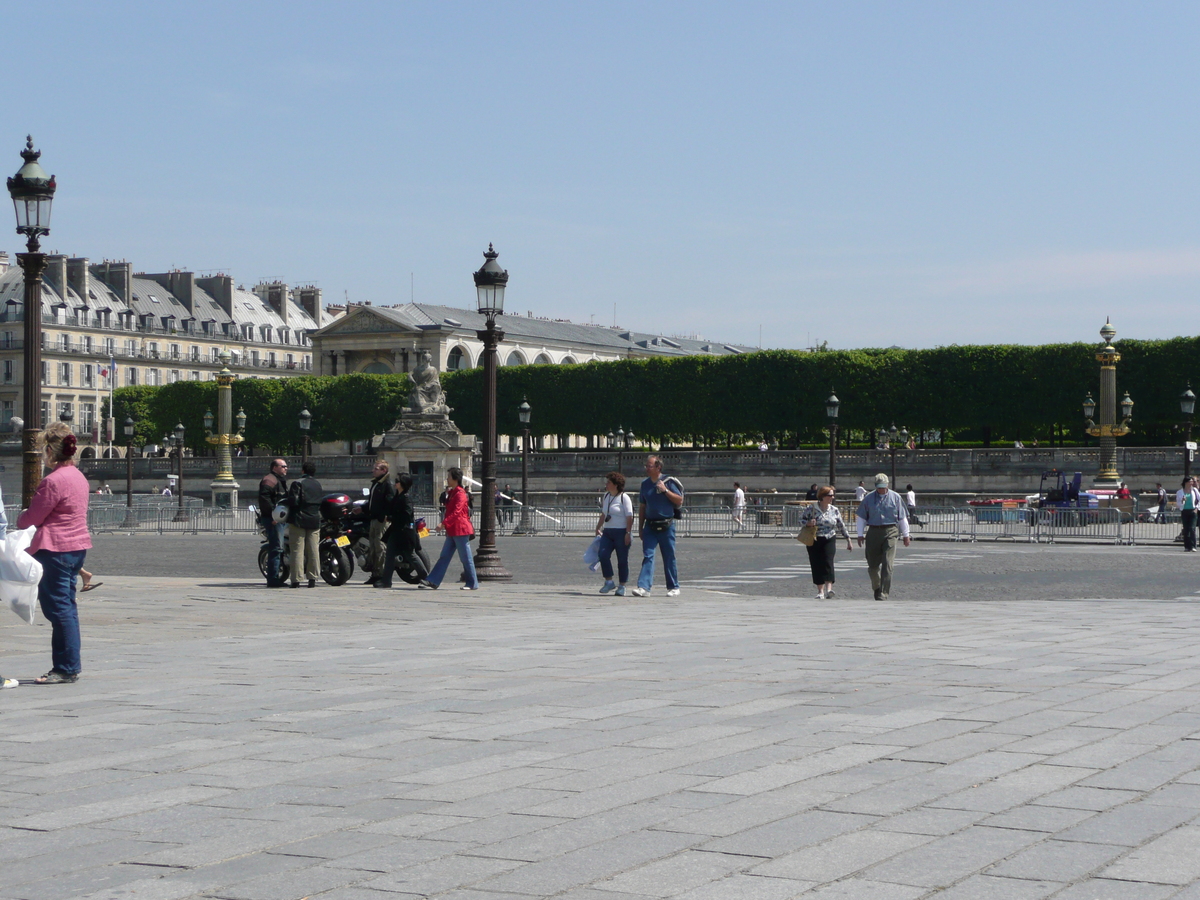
(883, 514)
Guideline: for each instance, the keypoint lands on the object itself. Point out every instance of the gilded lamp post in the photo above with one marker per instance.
(224, 488)
(1108, 430)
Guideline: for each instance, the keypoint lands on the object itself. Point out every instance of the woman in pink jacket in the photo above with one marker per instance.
(458, 528)
(59, 510)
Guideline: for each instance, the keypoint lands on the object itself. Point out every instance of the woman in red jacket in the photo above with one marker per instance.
(457, 525)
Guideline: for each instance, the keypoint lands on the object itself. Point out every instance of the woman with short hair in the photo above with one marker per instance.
(615, 530)
(59, 510)
(822, 550)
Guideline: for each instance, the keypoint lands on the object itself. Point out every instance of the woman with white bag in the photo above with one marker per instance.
(59, 510)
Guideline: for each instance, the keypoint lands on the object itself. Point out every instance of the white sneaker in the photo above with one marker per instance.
(820, 595)
(8, 683)
(608, 586)
(467, 587)
(638, 592)
(673, 592)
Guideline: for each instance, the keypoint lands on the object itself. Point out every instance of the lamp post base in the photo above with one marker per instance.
(488, 566)
(130, 521)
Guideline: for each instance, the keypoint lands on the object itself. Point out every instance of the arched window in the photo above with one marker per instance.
(514, 359)
(568, 361)
(457, 359)
(377, 368)
(542, 360)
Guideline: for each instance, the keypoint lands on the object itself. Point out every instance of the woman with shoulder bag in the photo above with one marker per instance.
(615, 528)
(828, 521)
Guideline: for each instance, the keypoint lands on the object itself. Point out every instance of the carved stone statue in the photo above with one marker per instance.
(426, 397)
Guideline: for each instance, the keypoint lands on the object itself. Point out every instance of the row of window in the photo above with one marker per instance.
(98, 375)
(457, 359)
(66, 410)
(170, 325)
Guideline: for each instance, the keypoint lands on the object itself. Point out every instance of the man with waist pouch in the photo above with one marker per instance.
(885, 517)
(658, 500)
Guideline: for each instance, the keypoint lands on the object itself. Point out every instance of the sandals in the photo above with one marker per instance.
(90, 586)
(56, 677)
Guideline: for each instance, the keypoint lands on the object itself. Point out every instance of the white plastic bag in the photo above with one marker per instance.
(591, 556)
(19, 573)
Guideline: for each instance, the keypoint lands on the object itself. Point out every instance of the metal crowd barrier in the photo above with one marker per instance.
(941, 522)
(1092, 525)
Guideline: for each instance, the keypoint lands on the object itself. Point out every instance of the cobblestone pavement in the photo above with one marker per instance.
(227, 741)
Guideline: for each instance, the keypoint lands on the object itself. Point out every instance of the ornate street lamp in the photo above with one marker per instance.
(831, 410)
(621, 445)
(32, 192)
(1187, 406)
(490, 282)
(524, 413)
(893, 436)
(224, 488)
(305, 424)
(180, 516)
(130, 518)
(1108, 430)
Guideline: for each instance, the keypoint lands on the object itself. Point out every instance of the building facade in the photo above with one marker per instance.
(105, 326)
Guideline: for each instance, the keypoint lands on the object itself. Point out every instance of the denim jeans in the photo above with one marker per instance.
(461, 543)
(275, 534)
(653, 541)
(614, 539)
(56, 594)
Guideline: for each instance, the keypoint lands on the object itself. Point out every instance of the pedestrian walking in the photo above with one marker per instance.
(1160, 517)
(615, 530)
(859, 493)
(821, 552)
(811, 493)
(401, 538)
(459, 532)
(379, 498)
(658, 501)
(304, 525)
(739, 507)
(1187, 501)
(272, 490)
(883, 514)
(508, 504)
(910, 504)
(59, 511)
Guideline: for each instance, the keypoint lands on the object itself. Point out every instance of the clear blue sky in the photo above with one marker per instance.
(863, 173)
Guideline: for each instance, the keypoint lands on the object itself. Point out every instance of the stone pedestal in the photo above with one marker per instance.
(224, 494)
(431, 441)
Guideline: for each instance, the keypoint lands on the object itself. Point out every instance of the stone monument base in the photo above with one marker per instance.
(224, 494)
(426, 445)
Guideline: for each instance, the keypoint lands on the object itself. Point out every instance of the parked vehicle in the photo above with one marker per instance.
(337, 562)
(357, 529)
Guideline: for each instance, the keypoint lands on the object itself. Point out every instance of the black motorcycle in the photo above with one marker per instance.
(337, 562)
(358, 530)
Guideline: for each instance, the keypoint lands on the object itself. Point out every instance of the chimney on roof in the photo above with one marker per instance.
(78, 277)
(4, 263)
(275, 294)
(221, 289)
(310, 302)
(181, 284)
(56, 274)
(118, 276)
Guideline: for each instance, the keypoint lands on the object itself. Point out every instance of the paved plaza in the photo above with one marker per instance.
(538, 740)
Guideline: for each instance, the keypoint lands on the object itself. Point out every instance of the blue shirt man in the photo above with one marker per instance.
(658, 499)
(885, 517)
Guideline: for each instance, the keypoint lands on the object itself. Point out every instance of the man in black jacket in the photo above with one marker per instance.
(271, 490)
(403, 544)
(379, 500)
(304, 525)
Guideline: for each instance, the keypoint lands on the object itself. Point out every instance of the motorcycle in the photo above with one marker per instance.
(358, 530)
(337, 562)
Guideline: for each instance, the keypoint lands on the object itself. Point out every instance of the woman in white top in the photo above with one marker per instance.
(910, 500)
(615, 528)
(1187, 501)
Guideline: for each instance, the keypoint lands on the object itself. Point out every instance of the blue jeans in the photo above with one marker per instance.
(56, 594)
(461, 543)
(651, 542)
(614, 539)
(275, 534)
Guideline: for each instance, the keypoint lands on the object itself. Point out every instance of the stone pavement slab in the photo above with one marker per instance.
(522, 741)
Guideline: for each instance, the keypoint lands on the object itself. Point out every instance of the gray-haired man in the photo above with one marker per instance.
(884, 516)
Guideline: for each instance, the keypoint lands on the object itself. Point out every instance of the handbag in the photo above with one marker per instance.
(591, 556)
(19, 573)
(808, 534)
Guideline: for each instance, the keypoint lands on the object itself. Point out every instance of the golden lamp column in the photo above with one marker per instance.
(1108, 430)
(224, 487)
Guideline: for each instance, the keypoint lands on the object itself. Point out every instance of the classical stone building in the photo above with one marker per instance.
(106, 326)
(385, 339)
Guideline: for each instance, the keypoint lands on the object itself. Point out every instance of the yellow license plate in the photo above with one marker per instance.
(342, 541)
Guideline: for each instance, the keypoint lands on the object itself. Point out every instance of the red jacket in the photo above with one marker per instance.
(458, 514)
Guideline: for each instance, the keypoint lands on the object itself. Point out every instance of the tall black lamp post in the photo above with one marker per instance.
(130, 518)
(831, 410)
(1187, 405)
(490, 282)
(895, 436)
(305, 424)
(32, 192)
(180, 516)
(524, 413)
